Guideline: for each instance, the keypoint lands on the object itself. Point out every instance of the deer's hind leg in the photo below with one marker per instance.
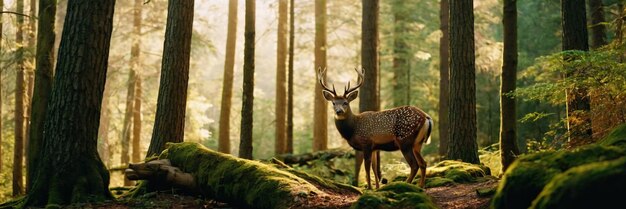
(376, 167)
(421, 163)
(412, 161)
(367, 155)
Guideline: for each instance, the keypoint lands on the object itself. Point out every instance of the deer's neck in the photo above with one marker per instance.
(345, 125)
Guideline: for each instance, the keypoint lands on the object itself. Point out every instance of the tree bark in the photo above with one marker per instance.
(44, 69)
(135, 56)
(508, 141)
(227, 85)
(1, 159)
(462, 116)
(72, 171)
(292, 36)
(245, 145)
(598, 27)
(128, 117)
(320, 115)
(575, 37)
(444, 78)
(30, 85)
(401, 51)
(18, 153)
(169, 123)
(281, 91)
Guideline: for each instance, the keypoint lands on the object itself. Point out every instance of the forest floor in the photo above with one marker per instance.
(458, 196)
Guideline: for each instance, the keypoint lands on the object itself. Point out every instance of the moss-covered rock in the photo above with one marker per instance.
(395, 195)
(617, 137)
(595, 185)
(449, 172)
(528, 175)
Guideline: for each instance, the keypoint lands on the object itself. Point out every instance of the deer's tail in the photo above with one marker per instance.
(430, 128)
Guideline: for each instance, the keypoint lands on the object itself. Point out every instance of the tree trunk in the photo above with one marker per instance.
(281, 91)
(128, 117)
(18, 153)
(1, 159)
(44, 69)
(227, 86)
(320, 109)
(30, 85)
(245, 145)
(135, 56)
(508, 141)
(463, 144)
(292, 36)
(242, 183)
(444, 78)
(72, 171)
(103, 128)
(575, 38)
(401, 51)
(169, 123)
(369, 97)
(598, 27)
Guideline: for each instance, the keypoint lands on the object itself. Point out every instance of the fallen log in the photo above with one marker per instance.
(240, 182)
(303, 159)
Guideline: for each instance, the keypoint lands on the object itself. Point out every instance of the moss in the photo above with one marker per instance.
(486, 192)
(595, 185)
(395, 195)
(457, 171)
(527, 176)
(617, 137)
(438, 182)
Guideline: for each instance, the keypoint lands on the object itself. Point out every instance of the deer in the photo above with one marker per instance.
(404, 128)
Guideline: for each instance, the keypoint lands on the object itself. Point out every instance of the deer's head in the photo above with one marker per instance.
(341, 103)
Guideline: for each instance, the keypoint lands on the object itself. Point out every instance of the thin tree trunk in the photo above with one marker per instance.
(281, 91)
(30, 84)
(44, 69)
(292, 36)
(72, 171)
(598, 27)
(169, 123)
(245, 145)
(227, 86)
(128, 117)
(401, 87)
(135, 59)
(508, 141)
(1, 159)
(462, 116)
(320, 115)
(18, 154)
(444, 78)
(575, 37)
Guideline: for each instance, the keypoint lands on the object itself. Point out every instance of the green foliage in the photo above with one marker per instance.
(395, 195)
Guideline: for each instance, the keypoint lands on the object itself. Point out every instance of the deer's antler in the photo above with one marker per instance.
(359, 81)
(321, 75)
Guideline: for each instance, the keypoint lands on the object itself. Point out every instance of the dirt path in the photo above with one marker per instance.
(461, 195)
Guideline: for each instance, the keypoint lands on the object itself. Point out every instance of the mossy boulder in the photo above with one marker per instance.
(395, 195)
(617, 137)
(450, 172)
(595, 185)
(528, 175)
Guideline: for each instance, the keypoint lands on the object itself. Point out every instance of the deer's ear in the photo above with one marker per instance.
(352, 95)
(328, 95)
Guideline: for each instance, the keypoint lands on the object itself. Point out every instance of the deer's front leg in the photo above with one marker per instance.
(367, 155)
(375, 166)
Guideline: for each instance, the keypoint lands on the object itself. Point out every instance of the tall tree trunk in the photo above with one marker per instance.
(444, 78)
(463, 144)
(320, 115)
(72, 171)
(598, 27)
(227, 86)
(575, 38)
(508, 141)
(1, 159)
(245, 145)
(18, 154)
(137, 118)
(401, 87)
(292, 36)
(369, 97)
(30, 84)
(44, 69)
(128, 117)
(135, 56)
(281, 91)
(169, 123)
(103, 127)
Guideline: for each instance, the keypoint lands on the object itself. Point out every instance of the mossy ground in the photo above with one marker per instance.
(395, 195)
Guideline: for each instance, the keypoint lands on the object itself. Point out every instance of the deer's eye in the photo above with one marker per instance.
(345, 103)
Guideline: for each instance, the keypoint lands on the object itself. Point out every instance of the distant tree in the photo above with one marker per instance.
(401, 70)
(320, 115)
(369, 97)
(30, 83)
(463, 144)
(281, 91)
(169, 123)
(444, 77)
(18, 154)
(227, 86)
(135, 55)
(598, 27)
(103, 128)
(44, 68)
(72, 171)
(1, 159)
(508, 141)
(128, 117)
(574, 20)
(292, 36)
(245, 145)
